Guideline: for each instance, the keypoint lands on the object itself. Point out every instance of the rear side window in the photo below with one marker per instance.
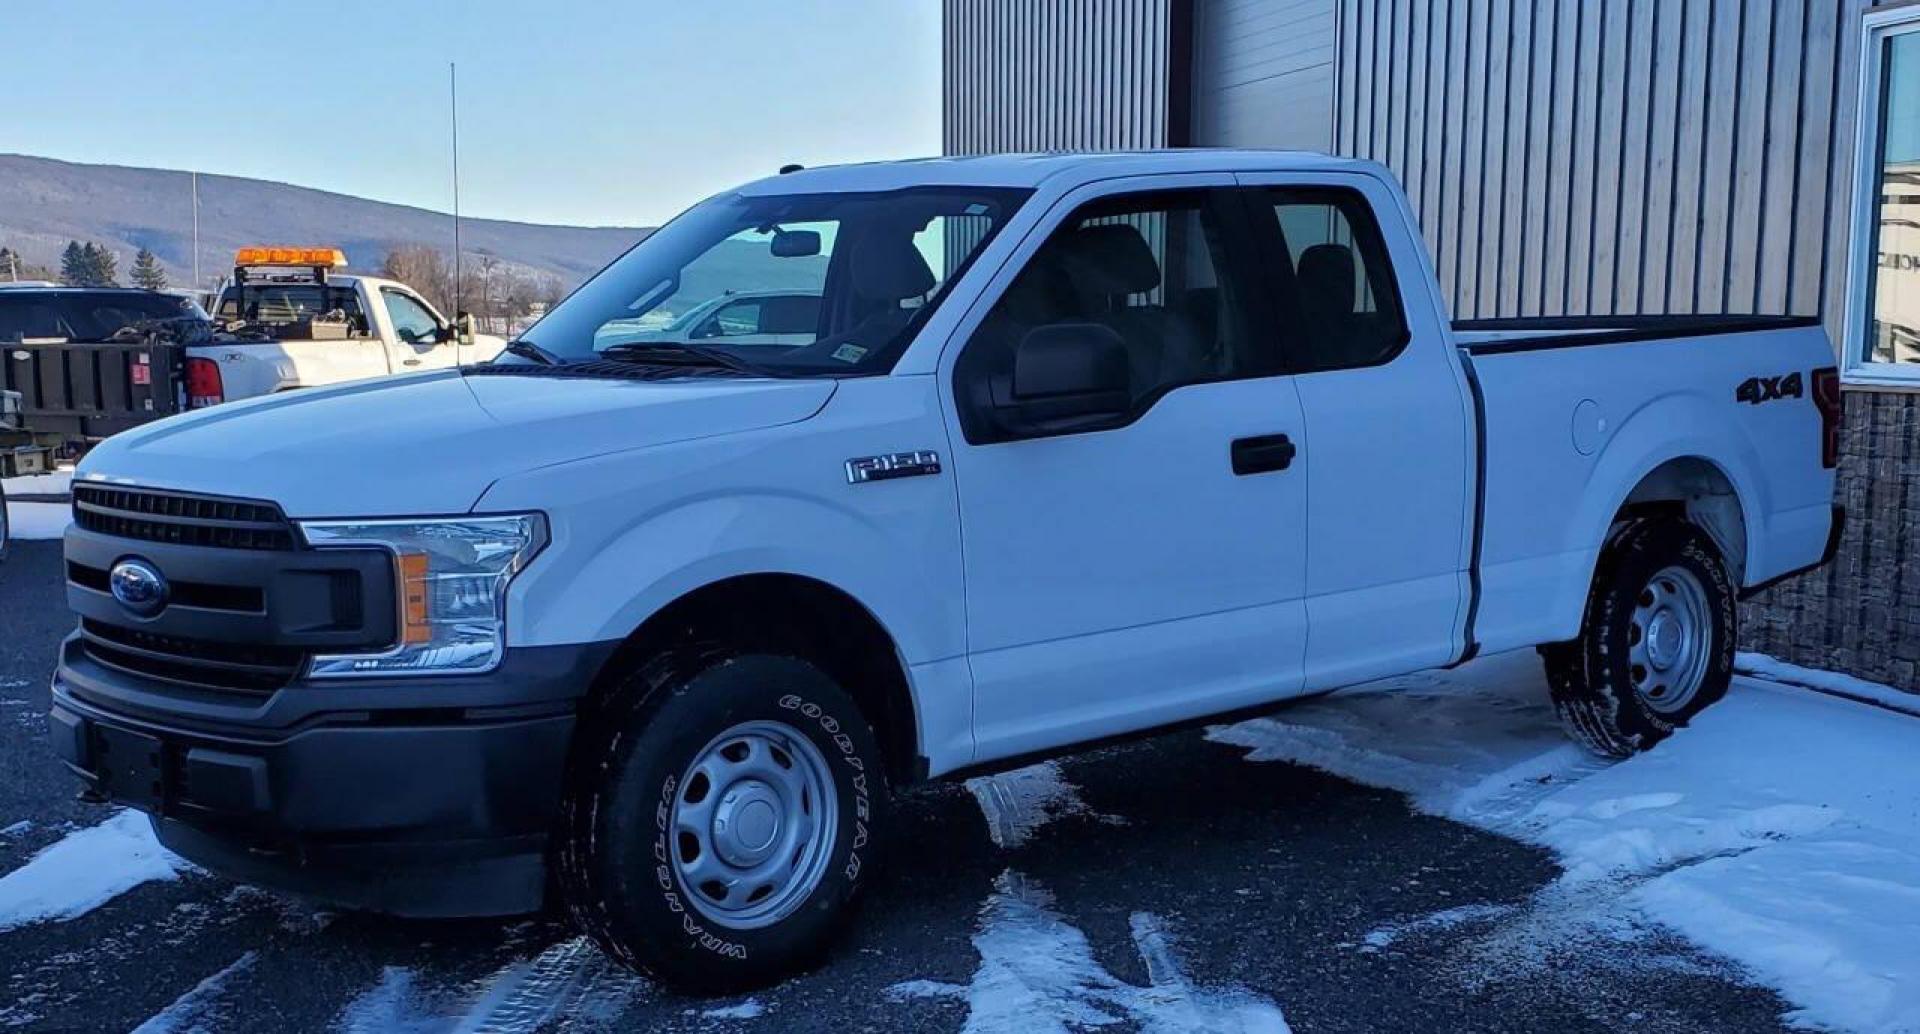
(1341, 307)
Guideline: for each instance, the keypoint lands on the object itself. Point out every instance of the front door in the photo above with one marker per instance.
(420, 340)
(1148, 568)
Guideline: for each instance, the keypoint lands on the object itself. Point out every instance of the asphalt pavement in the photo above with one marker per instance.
(1167, 885)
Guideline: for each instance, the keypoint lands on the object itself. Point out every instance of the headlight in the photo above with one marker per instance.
(452, 575)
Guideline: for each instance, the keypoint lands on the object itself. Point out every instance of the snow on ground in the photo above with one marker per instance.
(751, 1009)
(38, 520)
(1781, 831)
(84, 870)
(58, 482)
(1762, 666)
(199, 1011)
(1019, 802)
(1039, 975)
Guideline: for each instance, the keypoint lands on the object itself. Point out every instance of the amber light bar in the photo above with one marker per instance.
(331, 258)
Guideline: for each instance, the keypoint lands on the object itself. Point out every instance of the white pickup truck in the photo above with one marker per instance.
(301, 325)
(1079, 447)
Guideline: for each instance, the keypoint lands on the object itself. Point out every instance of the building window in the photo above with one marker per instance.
(1883, 305)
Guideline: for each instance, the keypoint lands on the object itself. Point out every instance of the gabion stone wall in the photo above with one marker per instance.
(1860, 614)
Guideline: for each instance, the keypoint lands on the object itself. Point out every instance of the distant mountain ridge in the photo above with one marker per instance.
(44, 203)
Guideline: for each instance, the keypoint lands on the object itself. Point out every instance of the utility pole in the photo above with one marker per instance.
(453, 97)
(194, 178)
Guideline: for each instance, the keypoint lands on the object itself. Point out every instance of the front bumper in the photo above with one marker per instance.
(435, 802)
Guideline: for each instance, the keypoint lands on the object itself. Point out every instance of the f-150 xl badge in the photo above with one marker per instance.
(1755, 390)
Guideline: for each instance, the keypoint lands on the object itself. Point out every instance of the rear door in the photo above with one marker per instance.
(1146, 569)
(1389, 449)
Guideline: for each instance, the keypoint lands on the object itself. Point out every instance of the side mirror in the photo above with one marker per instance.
(1065, 377)
(463, 328)
(795, 243)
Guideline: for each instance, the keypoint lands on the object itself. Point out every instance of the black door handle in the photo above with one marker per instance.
(1262, 454)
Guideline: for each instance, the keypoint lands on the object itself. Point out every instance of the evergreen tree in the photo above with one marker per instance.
(147, 272)
(74, 270)
(102, 270)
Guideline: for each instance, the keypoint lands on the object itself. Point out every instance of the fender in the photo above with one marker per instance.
(1674, 426)
(702, 541)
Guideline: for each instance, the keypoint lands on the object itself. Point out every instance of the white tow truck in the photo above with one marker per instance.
(1076, 447)
(294, 322)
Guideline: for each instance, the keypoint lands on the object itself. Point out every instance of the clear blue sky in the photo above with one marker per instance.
(573, 111)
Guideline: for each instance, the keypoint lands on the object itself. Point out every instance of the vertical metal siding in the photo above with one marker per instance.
(1564, 156)
(1056, 75)
(1576, 156)
(1263, 72)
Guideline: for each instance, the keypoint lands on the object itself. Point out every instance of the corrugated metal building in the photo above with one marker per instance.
(1564, 157)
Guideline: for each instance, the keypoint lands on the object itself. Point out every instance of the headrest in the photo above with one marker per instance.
(790, 314)
(1327, 278)
(887, 268)
(1111, 258)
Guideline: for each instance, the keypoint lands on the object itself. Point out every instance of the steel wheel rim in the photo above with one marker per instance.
(754, 820)
(1670, 640)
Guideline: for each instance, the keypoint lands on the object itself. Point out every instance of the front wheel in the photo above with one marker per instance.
(1656, 647)
(721, 819)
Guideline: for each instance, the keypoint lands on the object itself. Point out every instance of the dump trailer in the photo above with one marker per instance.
(88, 363)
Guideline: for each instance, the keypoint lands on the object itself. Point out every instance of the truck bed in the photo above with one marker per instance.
(1570, 427)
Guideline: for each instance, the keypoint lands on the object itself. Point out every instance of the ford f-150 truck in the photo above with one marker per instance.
(1077, 447)
(297, 323)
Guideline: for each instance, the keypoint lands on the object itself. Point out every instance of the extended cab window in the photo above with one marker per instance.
(1336, 282)
(1149, 273)
(412, 323)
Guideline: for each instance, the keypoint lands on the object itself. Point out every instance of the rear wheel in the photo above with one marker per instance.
(6, 527)
(1657, 644)
(721, 819)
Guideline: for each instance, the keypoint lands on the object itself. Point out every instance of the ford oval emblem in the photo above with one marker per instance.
(138, 586)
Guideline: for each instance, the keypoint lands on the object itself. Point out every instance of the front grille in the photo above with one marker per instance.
(181, 519)
(240, 599)
(233, 667)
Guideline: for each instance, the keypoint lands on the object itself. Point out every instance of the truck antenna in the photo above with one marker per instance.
(193, 179)
(453, 95)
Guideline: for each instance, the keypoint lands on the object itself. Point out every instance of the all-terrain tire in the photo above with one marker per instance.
(1593, 678)
(620, 848)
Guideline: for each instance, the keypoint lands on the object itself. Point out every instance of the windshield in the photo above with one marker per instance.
(794, 285)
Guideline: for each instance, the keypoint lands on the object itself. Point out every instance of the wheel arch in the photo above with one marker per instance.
(799, 615)
(1699, 491)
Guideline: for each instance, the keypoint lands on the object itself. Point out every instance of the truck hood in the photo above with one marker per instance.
(429, 443)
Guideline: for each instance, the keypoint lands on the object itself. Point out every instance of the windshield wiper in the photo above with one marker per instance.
(673, 353)
(528, 350)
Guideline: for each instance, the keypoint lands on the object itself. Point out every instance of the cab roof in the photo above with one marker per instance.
(1033, 170)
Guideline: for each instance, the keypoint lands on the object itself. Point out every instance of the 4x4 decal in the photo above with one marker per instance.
(1755, 390)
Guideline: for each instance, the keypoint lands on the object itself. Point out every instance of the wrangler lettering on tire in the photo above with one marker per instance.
(1656, 646)
(751, 849)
